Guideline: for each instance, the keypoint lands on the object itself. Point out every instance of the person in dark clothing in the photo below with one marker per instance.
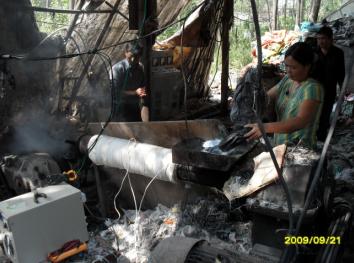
(130, 100)
(329, 71)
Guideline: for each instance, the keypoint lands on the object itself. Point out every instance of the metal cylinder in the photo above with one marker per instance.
(138, 158)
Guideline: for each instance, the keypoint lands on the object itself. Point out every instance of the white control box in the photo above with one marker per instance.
(31, 230)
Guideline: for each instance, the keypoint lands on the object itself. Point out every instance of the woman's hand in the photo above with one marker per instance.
(254, 133)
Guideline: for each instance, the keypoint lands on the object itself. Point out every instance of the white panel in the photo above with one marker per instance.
(36, 229)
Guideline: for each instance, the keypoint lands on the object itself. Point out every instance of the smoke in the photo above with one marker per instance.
(37, 131)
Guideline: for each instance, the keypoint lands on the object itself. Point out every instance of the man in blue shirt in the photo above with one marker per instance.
(130, 99)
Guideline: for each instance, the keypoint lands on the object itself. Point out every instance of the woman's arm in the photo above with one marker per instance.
(273, 93)
(306, 115)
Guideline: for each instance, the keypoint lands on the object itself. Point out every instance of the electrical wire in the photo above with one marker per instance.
(146, 188)
(49, 36)
(93, 215)
(94, 51)
(114, 99)
(60, 11)
(134, 198)
(260, 124)
(78, 48)
(216, 66)
(105, 59)
(127, 168)
(117, 194)
(81, 38)
(67, 25)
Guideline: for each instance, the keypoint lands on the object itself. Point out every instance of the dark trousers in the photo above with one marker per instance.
(324, 120)
(127, 113)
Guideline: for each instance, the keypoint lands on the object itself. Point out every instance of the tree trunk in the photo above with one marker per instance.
(269, 17)
(275, 15)
(302, 10)
(293, 9)
(226, 25)
(298, 12)
(315, 8)
(285, 11)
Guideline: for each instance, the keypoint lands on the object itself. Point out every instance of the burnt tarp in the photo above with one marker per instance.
(193, 46)
(345, 10)
(94, 90)
(199, 40)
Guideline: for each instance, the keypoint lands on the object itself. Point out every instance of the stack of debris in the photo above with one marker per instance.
(132, 237)
(341, 161)
(343, 31)
(275, 44)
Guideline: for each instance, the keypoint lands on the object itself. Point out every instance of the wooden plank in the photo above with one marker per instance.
(264, 174)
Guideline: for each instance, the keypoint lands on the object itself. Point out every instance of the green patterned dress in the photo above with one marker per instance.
(288, 105)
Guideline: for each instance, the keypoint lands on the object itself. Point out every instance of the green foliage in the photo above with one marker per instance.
(48, 22)
(286, 22)
(327, 7)
(240, 53)
(174, 28)
(241, 37)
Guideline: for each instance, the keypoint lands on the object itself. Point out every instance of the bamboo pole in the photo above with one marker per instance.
(226, 25)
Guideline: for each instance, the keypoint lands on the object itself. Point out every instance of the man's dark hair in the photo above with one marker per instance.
(326, 31)
(135, 48)
(301, 52)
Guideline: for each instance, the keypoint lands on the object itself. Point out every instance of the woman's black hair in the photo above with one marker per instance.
(301, 52)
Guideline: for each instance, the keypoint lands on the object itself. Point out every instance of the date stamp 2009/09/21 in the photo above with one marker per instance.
(312, 240)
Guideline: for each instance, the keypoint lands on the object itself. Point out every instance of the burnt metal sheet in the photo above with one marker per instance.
(162, 133)
(191, 153)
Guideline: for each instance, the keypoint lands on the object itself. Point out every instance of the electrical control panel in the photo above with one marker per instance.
(166, 86)
(36, 223)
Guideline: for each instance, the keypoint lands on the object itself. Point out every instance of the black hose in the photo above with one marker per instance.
(260, 124)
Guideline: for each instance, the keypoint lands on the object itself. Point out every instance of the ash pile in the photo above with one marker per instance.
(133, 236)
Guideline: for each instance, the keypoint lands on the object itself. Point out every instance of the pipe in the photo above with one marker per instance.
(135, 157)
(259, 122)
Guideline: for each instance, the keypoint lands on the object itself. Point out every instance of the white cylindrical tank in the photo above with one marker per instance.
(139, 158)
